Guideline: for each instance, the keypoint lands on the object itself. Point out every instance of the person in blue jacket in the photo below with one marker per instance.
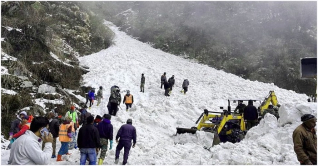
(105, 129)
(91, 97)
(126, 133)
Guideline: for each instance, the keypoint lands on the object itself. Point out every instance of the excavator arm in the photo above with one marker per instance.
(270, 99)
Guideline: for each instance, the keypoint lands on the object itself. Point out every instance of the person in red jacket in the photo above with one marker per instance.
(24, 126)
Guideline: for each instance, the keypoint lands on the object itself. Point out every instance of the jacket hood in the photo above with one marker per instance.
(311, 123)
(23, 112)
(107, 121)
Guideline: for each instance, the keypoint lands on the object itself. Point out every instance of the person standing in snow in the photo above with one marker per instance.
(126, 133)
(24, 126)
(128, 100)
(163, 79)
(185, 85)
(91, 98)
(99, 95)
(167, 88)
(73, 115)
(114, 100)
(27, 149)
(171, 82)
(305, 140)
(87, 97)
(105, 129)
(250, 115)
(88, 142)
(84, 115)
(15, 127)
(142, 83)
(54, 127)
(65, 136)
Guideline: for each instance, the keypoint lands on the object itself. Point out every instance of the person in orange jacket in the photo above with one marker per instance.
(65, 136)
(128, 100)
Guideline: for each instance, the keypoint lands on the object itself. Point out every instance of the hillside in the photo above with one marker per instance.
(40, 45)
(156, 116)
(260, 41)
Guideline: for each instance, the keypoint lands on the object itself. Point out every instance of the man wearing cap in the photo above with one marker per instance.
(305, 140)
(126, 133)
(105, 129)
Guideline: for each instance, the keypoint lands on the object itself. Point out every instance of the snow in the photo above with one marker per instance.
(4, 71)
(56, 58)
(5, 57)
(156, 116)
(44, 88)
(7, 91)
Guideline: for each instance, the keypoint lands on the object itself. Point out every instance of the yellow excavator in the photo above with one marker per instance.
(230, 125)
(226, 125)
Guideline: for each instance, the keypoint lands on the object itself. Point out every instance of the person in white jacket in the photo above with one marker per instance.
(26, 150)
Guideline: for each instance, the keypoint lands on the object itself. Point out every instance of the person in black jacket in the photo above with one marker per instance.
(171, 82)
(105, 129)
(54, 127)
(88, 142)
(250, 115)
(167, 88)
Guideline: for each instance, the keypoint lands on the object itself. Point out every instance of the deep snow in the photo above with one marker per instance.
(156, 116)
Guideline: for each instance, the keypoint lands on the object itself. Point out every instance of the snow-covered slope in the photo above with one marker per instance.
(156, 116)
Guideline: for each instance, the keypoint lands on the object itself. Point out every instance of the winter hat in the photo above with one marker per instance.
(307, 117)
(72, 107)
(24, 113)
(26, 117)
(90, 119)
(129, 121)
(107, 116)
(128, 91)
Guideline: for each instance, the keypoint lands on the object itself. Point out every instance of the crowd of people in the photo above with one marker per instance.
(33, 140)
(37, 144)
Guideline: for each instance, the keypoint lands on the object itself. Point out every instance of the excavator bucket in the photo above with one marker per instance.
(308, 67)
(216, 139)
(192, 130)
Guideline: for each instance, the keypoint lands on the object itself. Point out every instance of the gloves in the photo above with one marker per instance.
(110, 144)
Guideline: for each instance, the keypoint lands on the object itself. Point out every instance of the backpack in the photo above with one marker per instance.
(115, 97)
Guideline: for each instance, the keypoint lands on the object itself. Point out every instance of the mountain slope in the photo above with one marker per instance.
(156, 116)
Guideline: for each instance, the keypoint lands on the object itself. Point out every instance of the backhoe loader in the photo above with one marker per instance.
(226, 125)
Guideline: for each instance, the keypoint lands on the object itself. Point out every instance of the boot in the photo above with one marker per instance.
(116, 161)
(100, 161)
(59, 158)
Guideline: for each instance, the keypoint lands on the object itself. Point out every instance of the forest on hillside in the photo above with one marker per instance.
(261, 41)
